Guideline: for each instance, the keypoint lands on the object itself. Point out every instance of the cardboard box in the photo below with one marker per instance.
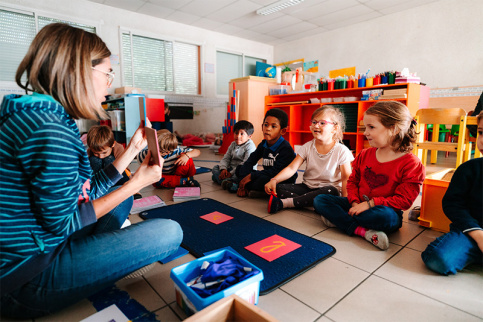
(434, 188)
(190, 302)
(231, 308)
(127, 90)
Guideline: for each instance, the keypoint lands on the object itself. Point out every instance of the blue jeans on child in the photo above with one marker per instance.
(451, 252)
(336, 210)
(94, 258)
(216, 171)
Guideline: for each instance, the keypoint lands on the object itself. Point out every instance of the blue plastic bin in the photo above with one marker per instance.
(190, 302)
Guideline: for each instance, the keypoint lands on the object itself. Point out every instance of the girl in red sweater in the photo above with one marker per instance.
(385, 179)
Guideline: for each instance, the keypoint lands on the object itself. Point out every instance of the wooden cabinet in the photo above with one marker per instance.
(300, 110)
(252, 92)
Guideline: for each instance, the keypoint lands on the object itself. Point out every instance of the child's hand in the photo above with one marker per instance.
(224, 174)
(182, 159)
(244, 181)
(241, 192)
(148, 174)
(357, 208)
(271, 187)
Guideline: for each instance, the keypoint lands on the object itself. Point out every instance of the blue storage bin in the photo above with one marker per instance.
(190, 302)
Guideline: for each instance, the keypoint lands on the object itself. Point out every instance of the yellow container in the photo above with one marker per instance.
(432, 215)
(369, 82)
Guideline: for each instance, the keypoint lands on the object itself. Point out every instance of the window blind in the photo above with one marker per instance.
(17, 31)
(160, 65)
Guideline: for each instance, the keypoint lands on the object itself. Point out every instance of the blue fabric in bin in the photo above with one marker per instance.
(201, 236)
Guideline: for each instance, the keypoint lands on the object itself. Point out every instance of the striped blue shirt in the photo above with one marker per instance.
(46, 188)
(169, 159)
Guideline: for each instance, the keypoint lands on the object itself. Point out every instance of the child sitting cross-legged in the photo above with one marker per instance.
(385, 180)
(237, 153)
(463, 205)
(178, 166)
(275, 152)
(328, 164)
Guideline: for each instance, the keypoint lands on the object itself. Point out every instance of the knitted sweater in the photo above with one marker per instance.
(46, 186)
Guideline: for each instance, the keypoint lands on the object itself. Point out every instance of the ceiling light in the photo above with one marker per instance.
(276, 6)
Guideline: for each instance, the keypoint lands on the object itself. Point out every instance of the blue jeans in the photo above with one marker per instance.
(336, 210)
(94, 258)
(451, 252)
(216, 174)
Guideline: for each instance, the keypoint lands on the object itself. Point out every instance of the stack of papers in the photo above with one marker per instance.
(147, 203)
(186, 193)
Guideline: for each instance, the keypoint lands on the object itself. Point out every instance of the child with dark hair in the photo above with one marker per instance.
(275, 152)
(462, 204)
(103, 149)
(385, 180)
(237, 153)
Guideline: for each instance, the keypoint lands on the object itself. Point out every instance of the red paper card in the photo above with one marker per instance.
(272, 247)
(216, 217)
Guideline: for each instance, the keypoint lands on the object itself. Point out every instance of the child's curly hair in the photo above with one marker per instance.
(395, 115)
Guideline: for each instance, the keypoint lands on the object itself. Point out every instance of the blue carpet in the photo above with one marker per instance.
(202, 170)
(201, 236)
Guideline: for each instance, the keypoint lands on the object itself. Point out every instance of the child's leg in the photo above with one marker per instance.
(304, 196)
(216, 174)
(335, 210)
(187, 170)
(451, 252)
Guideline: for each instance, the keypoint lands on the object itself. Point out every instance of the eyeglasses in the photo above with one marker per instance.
(110, 76)
(321, 123)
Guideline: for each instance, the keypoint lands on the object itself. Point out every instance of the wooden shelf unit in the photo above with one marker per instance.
(300, 113)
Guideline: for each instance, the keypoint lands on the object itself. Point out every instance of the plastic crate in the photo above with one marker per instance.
(190, 302)
(432, 215)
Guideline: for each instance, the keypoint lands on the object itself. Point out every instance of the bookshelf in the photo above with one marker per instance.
(299, 110)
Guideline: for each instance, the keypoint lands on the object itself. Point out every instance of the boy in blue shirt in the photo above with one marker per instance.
(275, 152)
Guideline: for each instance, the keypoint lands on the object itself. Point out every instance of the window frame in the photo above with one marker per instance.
(243, 55)
(173, 40)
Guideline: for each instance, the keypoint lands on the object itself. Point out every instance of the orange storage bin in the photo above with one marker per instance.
(434, 188)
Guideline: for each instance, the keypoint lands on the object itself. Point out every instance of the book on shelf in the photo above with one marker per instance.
(395, 91)
(147, 203)
(392, 96)
(186, 193)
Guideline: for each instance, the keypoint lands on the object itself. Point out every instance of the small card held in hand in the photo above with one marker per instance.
(153, 144)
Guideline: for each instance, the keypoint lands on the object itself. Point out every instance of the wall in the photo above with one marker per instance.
(441, 41)
(109, 20)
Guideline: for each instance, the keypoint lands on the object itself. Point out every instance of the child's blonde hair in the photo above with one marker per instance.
(99, 137)
(336, 116)
(167, 141)
(395, 115)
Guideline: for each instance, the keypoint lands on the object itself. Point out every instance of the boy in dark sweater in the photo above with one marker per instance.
(275, 152)
(463, 205)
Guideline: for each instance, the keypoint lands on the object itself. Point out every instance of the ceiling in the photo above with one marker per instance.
(239, 18)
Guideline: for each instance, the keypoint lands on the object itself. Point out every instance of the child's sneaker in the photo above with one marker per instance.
(274, 204)
(189, 182)
(225, 183)
(232, 187)
(377, 238)
(327, 222)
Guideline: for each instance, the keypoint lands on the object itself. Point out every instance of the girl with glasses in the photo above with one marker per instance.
(60, 239)
(328, 164)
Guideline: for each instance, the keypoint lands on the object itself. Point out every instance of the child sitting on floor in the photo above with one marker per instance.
(237, 153)
(463, 205)
(178, 166)
(328, 164)
(385, 179)
(103, 149)
(275, 152)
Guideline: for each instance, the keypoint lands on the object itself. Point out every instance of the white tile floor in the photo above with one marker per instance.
(358, 283)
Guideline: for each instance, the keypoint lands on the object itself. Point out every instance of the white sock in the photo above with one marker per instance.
(287, 203)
